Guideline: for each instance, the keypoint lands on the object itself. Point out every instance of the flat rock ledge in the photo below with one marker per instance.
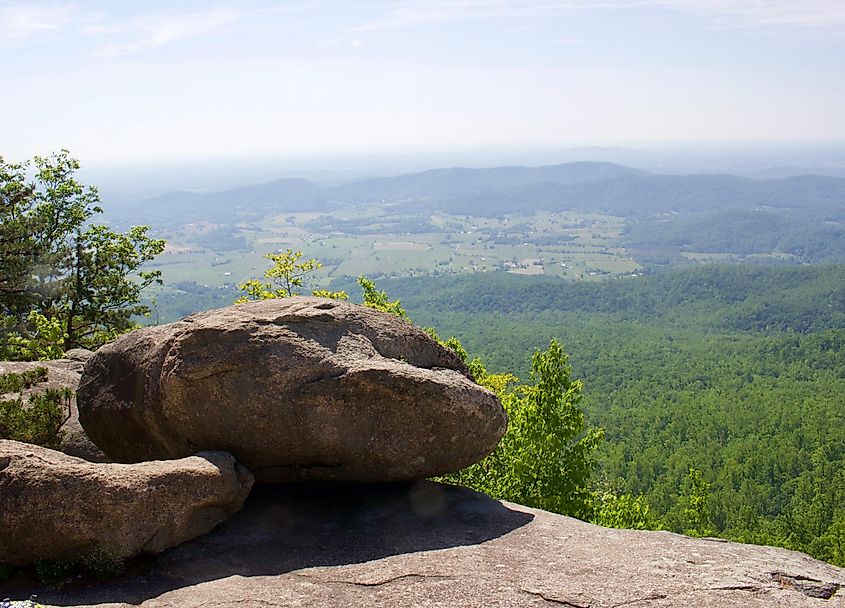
(425, 544)
(54, 506)
(297, 389)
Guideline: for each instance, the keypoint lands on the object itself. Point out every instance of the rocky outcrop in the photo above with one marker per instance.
(295, 389)
(424, 544)
(62, 373)
(56, 506)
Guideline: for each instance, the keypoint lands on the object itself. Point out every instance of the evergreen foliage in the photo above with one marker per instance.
(65, 282)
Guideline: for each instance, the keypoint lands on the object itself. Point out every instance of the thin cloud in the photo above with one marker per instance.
(414, 14)
(806, 13)
(22, 21)
(153, 31)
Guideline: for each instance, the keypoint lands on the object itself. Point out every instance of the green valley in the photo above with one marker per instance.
(578, 221)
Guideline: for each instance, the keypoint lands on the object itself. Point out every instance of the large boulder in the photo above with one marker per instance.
(424, 544)
(296, 389)
(61, 373)
(56, 506)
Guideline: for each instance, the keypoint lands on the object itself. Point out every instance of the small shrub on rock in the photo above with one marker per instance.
(101, 563)
(55, 572)
(37, 420)
(15, 383)
(30, 603)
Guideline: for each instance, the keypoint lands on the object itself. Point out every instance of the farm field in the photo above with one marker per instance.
(574, 221)
(378, 242)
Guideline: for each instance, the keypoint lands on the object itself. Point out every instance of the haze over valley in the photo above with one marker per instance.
(576, 221)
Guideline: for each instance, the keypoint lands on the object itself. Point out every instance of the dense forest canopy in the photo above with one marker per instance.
(737, 372)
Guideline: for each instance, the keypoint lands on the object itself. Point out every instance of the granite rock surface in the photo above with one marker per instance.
(54, 506)
(296, 389)
(425, 544)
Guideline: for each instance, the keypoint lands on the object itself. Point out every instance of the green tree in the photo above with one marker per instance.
(286, 275)
(830, 546)
(20, 248)
(545, 459)
(613, 510)
(696, 495)
(100, 298)
(44, 340)
(58, 264)
(373, 298)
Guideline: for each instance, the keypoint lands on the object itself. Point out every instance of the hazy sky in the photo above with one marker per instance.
(165, 79)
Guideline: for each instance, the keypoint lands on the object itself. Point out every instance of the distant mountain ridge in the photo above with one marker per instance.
(583, 186)
(439, 184)
(646, 194)
(269, 197)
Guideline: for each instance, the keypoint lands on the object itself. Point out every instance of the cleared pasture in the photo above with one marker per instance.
(360, 241)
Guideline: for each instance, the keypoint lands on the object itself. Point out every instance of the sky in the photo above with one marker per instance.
(157, 80)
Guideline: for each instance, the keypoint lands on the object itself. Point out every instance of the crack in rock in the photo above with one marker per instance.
(387, 581)
(554, 600)
(749, 588)
(253, 601)
(649, 598)
(808, 586)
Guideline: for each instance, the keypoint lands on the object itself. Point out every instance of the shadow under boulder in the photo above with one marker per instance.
(285, 528)
(426, 544)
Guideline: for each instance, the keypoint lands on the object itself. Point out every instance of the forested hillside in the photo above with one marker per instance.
(745, 298)
(737, 372)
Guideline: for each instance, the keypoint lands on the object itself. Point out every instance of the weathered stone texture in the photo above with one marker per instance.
(54, 506)
(295, 389)
(424, 544)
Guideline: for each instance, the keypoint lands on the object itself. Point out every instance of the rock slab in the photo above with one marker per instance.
(425, 544)
(296, 389)
(56, 506)
(62, 373)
